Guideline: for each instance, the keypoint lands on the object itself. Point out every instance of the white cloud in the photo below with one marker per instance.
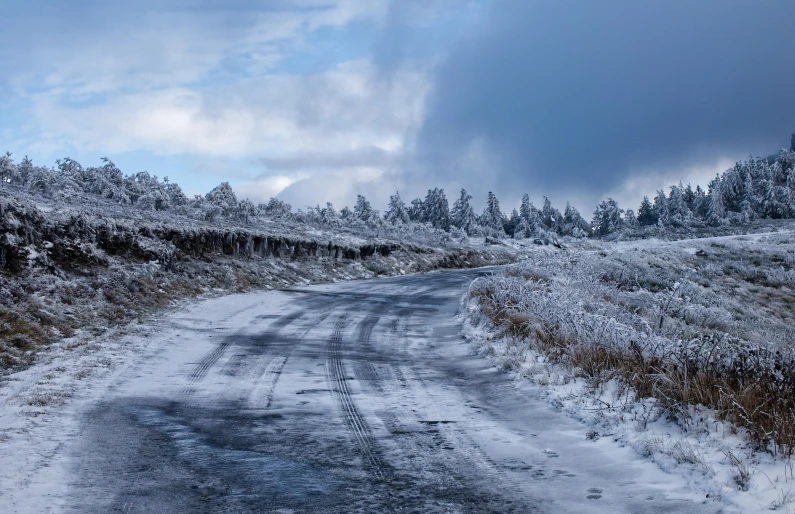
(262, 189)
(347, 109)
(122, 48)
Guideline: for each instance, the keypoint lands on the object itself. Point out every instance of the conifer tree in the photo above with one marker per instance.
(607, 218)
(549, 215)
(437, 210)
(417, 211)
(716, 210)
(646, 214)
(573, 223)
(463, 216)
(661, 208)
(511, 223)
(492, 216)
(397, 212)
(362, 210)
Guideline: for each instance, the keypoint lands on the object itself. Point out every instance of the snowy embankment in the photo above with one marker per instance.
(684, 351)
(69, 273)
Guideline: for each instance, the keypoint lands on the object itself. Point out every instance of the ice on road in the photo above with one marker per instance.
(357, 397)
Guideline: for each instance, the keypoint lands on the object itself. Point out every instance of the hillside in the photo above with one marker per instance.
(70, 268)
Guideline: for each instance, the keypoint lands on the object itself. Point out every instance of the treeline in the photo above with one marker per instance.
(759, 188)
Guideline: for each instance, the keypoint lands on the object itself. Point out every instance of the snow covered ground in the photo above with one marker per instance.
(356, 397)
(651, 297)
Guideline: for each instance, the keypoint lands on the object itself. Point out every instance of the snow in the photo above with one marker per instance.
(712, 455)
(40, 406)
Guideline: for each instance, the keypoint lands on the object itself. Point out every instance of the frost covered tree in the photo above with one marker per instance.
(223, 197)
(661, 208)
(463, 216)
(530, 219)
(716, 211)
(699, 208)
(328, 215)
(492, 216)
(436, 210)
(24, 171)
(417, 211)
(550, 216)
(511, 223)
(678, 212)
(397, 211)
(607, 218)
(646, 213)
(246, 210)
(573, 223)
(276, 209)
(6, 169)
(630, 219)
(689, 196)
(363, 211)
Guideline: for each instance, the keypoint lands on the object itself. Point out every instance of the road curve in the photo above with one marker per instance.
(357, 397)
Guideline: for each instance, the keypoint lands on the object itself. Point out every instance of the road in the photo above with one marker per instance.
(357, 397)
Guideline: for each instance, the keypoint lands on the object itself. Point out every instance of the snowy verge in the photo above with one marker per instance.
(716, 456)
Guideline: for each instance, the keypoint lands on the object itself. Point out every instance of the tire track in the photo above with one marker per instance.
(261, 396)
(364, 368)
(353, 419)
(203, 367)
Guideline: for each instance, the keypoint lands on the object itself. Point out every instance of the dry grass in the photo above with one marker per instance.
(665, 345)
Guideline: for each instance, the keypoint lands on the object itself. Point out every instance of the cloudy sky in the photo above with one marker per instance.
(316, 100)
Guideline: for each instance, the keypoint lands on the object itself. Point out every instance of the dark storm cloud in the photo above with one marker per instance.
(577, 96)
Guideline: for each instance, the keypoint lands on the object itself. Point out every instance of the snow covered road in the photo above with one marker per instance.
(357, 397)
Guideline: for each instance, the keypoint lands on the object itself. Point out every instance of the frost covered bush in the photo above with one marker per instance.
(84, 265)
(649, 318)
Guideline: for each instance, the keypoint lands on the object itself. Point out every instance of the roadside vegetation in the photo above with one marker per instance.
(710, 324)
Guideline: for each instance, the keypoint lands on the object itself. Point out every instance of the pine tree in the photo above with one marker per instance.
(511, 224)
(716, 211)
(362, 210)
(417, 211)
(492, 216)
(607, 218)
(463, 216)
(525, 209)
(792, 143)
(573, 223)
(630, 219)
(661, 209)
(6, 169)
(699, 208)
(678, 212)
(328, 215)
(437, 210)
(689, 196)
(646, 213)
(550, 217)
(529, 219)
(397, 212)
